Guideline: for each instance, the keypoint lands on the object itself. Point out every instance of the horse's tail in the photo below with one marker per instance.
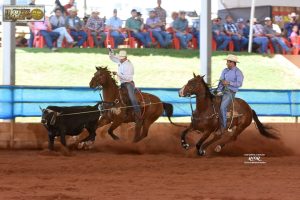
(263, 130)
(168, 108)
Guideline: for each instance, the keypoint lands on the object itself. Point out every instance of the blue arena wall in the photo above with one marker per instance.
(24, 101)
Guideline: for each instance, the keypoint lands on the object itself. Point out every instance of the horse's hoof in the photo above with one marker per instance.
(218, 148)
(80, 145)
(185, 146)
(201, 152)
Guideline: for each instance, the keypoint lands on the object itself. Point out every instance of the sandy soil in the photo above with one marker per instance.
(156, 168)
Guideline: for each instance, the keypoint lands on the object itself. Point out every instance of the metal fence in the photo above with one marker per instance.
(24, 101)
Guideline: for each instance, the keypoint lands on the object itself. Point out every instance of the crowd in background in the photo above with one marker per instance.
(65, 29)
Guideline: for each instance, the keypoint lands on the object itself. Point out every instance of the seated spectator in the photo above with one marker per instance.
(294, 35)
(154, 25)
(135, 26)
(259, 36)
(219, 35)
(240, 42)
(114, 25)
(161, 14)
(96, 26)
(273, 32)
(76, 27)
(240, 25)
(174, 16)
(21, 41)
(246, 30)
(61, 7)
(58, 24)
(68, 6)
(289, 26)
(180, 27)
(196, 30)
(44, 29)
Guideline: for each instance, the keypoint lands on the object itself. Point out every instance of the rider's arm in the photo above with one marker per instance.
(239, 79)
(220, 86)
(113, 57)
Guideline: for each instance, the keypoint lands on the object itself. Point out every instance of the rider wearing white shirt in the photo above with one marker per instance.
(125, 74)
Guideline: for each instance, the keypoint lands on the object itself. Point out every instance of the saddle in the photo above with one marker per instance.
(230, 112)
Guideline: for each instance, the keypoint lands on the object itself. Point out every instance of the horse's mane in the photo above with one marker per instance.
(102, 68)
(207, 90)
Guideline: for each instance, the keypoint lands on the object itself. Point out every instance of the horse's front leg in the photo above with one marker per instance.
(184, 144)
(200, 150)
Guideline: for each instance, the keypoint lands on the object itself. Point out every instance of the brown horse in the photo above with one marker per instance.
(118, 109)
(206, 117)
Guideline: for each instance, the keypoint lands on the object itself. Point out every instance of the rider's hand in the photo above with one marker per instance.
(224, 82)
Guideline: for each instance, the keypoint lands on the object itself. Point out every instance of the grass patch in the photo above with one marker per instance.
(153, 68)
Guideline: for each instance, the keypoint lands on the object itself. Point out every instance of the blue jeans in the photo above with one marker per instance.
(118, 38)
(49, 37)
(262, 42)
(76, 34)
(184, 39)
(31, 38)
(278, 41)
(239, 43)
(222, 41)
(100, 42)
(131, 93)
(197, 36)
(144, 37)
(227, 98)
(163, 38)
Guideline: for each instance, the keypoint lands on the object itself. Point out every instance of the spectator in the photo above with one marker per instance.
(44, 29)
(180, 26)
(58, 5)
(58, 25)
(246, 30)
(114, 25)
(21, 41)
(31, 32)
(154, 25)
(68, 6)
(240, 42)
(135, 26)
(240, 25)
(259, 36)
(196, 30)
(174, 16)
(289, 26)
(161, 14)
(273, 32)
(294, 35)
(75, 25)
(84, 20)
(96, 26)
(219, 34)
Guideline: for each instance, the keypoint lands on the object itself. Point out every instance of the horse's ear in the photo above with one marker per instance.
(202, 76)
(194, 74)
(97, 68)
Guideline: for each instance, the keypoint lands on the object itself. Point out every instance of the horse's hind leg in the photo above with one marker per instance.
(145, 128)
(227, 140)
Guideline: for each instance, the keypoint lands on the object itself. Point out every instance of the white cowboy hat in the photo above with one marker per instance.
(232, 58)
(267, 19)
(72, 9)
(122, 54)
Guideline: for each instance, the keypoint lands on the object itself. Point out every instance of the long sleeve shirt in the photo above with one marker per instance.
(235, 78)
(125, 69)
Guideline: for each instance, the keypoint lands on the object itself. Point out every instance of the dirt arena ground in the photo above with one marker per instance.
(156, 168)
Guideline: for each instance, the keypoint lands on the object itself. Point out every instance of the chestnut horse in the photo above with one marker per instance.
(206, 117)
(118, 109)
